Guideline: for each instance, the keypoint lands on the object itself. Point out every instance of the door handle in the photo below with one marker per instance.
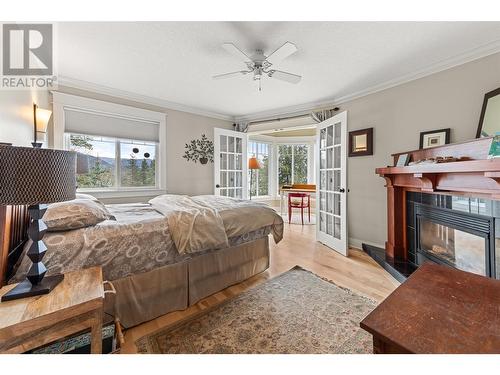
(217, 186)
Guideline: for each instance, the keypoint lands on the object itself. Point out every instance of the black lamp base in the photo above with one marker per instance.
(26, 289)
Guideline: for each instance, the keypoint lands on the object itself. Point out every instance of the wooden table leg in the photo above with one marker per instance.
(96, 334)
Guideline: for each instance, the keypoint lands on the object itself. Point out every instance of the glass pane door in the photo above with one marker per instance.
(331, 140)
(230, 163)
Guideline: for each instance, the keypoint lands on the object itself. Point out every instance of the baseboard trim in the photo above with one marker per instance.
(356, 243)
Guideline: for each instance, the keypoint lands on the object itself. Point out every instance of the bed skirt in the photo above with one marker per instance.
(143, 297)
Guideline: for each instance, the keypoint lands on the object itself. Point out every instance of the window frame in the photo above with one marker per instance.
(117, 169)
(62, 101)
(274, 159)
(310, 159)
(269, 174)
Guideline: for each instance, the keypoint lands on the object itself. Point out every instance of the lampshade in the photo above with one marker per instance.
(36, 176)
(253, 163)
(42, 119)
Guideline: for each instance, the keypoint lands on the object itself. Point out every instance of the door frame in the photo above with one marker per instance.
(244, 178)
(342, 245)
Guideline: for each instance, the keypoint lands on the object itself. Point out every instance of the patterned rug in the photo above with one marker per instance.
(296, 312)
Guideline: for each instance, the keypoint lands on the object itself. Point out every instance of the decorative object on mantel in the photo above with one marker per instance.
(41, 119)
(495, 147)
(201, 150)
(436, 160)
(403, 160)
(434, 138)
(361, 142)
(489, 120)
(36, 177)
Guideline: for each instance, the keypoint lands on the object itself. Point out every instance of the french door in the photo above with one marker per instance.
(230, 163)
(331, 164)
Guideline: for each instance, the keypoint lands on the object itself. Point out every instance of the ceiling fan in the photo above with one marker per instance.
(259, 64)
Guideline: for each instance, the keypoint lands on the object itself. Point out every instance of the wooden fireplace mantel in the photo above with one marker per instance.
(473, 176)
(476, 176)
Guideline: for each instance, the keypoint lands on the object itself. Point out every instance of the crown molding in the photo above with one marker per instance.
(466, 57)
(127, 95)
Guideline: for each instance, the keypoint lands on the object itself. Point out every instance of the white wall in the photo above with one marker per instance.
(449, 99)
(16, 115)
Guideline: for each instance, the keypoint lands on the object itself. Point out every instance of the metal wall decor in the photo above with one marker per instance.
(201, 150)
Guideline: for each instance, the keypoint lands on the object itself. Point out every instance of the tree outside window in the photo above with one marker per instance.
(292, 164)
(97, 167)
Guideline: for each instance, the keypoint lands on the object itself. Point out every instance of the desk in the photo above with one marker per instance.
(438, 310)
(73, 306)
(284, 192)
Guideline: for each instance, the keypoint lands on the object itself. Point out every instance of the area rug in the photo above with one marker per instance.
(296, 312)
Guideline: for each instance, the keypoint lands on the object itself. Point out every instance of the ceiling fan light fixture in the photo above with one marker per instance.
(259, 64)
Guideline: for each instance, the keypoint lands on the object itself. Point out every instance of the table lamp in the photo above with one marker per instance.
(253, 163)
(36, 177)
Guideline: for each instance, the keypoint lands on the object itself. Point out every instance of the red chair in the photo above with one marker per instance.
(299, 204)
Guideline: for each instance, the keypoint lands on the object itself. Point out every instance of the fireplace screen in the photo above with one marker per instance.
(460, 249)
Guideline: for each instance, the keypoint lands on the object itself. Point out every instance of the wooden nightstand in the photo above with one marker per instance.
(75, 305)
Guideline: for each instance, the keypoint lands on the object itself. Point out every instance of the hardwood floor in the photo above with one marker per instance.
(357, 272)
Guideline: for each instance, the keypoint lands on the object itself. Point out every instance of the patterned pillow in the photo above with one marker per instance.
(78, 213)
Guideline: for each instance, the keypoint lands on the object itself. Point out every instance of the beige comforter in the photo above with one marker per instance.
(207, 221)
(141, 238)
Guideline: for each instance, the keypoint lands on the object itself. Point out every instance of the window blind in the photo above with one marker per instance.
(110, 125)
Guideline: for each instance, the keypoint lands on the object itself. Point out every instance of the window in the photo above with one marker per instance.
(260, 179)
(292, 164)
(97, 166)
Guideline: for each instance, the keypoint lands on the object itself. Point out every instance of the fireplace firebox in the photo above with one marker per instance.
(455, 231)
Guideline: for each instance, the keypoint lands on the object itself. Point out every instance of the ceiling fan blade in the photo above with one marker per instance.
(235, 51)
(282, 53)
(284, 76)
(230, 75)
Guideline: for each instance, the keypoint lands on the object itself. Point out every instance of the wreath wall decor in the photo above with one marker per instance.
(201, 150)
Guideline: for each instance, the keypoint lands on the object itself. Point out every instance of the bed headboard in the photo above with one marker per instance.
(14, 221)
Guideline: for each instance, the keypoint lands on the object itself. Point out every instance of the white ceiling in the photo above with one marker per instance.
(174, 61)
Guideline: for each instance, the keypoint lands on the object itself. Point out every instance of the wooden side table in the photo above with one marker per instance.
(438, 310)
(75, 305)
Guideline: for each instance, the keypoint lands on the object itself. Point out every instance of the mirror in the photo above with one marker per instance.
(489, 121)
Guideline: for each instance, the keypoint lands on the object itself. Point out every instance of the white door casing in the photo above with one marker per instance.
(331, 189)
(230, 163)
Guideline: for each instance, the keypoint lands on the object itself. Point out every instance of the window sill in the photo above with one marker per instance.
(132, 193)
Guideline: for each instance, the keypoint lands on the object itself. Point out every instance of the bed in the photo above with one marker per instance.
(167, 254)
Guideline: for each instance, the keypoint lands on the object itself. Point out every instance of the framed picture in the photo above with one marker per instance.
(403, 160)
(434, 138)
(361, 142)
